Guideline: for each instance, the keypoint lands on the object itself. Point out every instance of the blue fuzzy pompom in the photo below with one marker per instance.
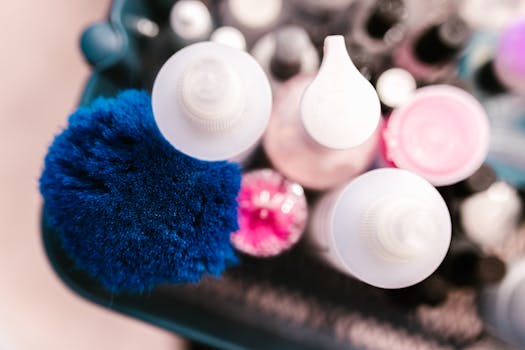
(131, 210)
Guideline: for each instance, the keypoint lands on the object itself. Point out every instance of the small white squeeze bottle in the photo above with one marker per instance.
(340, 109)
(212, 102)
(388, 227)
(324, 129)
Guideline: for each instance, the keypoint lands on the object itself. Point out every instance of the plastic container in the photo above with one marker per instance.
(387, 227)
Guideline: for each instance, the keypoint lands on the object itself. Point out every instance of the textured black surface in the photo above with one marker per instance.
(293, 301)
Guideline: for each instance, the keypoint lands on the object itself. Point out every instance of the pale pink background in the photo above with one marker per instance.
(41, 76)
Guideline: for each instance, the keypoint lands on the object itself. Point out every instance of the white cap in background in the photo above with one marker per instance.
(229, 36)
(395, 86)
(490, 216)
(190, 21)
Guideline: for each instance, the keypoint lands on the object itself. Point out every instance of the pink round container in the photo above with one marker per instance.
(441, 133)
(272, 214)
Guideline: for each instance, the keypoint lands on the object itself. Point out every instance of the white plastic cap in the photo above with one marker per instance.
(212, 93)
(229, 36)
(490, 216)
(503, 306)
(211, 101)
(340, 109)
(256, 13)
(388, 227)
(395, 86)
(190, 20)
(401, 227)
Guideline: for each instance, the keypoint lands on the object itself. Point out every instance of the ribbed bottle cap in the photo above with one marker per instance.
(340, 109)
(401, 228)
(211, 101)
(213, 94)
(390, 228)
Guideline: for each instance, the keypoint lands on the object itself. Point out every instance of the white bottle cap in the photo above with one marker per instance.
(212, 93)
(389, 228)
(395, 86)
(256, 13)
(229, 36)
(401, 227)
(490, 216)
(503, 306)
(340, 109)
(211, 101)
(190, 20)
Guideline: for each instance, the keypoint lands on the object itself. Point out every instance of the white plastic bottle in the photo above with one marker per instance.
(388, 227)
(329, 135)
(212, 102)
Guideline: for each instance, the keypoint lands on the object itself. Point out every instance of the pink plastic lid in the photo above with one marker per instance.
(441, 133)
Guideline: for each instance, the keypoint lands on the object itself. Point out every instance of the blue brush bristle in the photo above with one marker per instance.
(132, 211)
